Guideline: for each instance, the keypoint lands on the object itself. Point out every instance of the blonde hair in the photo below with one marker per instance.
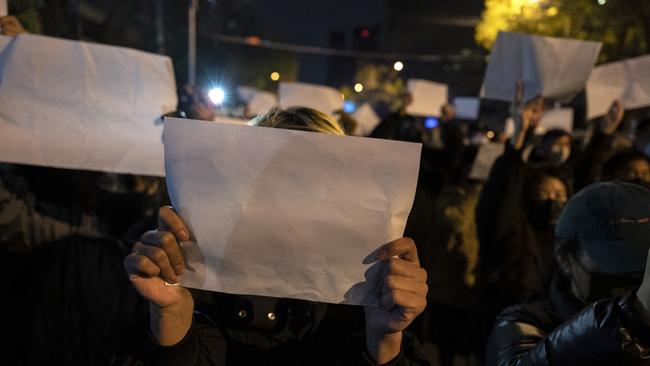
(299, 118)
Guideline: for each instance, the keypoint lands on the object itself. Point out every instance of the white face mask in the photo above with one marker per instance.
(559, 155)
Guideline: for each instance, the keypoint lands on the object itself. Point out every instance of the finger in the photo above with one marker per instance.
(403, 248)
(136, 264)
(404, 299)
(402, 283)
(405, 268)
(167, 242)
(169, 220)
(519, 92)
(159, 258)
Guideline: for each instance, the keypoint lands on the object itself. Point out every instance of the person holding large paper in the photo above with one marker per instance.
(258, 330)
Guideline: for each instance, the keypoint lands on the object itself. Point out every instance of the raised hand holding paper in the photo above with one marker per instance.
(553, 67)
(627, 81)
(287, 213)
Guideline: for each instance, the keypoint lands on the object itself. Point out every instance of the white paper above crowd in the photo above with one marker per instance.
(556, 68)
(485, 157)
(627, 80)
(229, 120)
(80, 105)
(4, 9)
(367, 119)
(286, 213)
(467, 107)
(560, 118)
(428, 97)
(319, 97)
(261, 102)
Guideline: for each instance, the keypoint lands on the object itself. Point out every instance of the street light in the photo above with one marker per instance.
(275, 76)
(398, 66)
(358, 87)
(602, 2)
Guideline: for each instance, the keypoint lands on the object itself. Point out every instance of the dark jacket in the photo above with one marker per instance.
(559, 330)
(254, 330)
(512, 253)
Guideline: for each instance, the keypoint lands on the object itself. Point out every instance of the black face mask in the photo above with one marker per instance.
(543, 214)
(604, 286)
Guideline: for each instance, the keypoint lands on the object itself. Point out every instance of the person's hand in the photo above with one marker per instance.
(403, 298)
(612, 120)
(643, 294)
(521, 116)
(10, 26)
(153, 267)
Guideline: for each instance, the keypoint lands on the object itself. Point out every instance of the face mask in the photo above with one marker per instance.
(544, 214)
(604, 286)
(559, 155)
(646, 150)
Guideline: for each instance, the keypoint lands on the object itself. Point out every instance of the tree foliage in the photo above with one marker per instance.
(622, 25)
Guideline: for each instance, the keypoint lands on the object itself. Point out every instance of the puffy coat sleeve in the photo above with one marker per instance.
(608, 332)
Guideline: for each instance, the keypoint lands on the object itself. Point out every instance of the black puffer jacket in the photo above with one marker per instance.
(555, 331)
(236, 330)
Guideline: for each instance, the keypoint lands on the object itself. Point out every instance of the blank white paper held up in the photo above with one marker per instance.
(288, 214)
(556, 68)
(80, 105)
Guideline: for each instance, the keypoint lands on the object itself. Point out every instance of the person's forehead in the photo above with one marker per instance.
(550, 183)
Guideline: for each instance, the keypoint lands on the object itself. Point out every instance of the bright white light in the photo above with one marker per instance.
(275, 76)
(602, 2)
(217, 95)
(358, 87)
(398, 66)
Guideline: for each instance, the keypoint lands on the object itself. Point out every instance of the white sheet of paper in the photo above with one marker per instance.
(230, 120)
(553, 67)
(485, 157)
(4, 42)
(261, 102)
(366, 118)
(80, 105)
(319, 97)
(4, 9)
(561, 118)
(428, 97)
(627, 80)
(467, 107)
(285, 213)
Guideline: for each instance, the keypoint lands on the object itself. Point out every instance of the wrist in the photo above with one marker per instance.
(383, 347)
(170, 324)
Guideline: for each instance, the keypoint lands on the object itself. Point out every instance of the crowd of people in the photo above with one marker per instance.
(544, 263)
